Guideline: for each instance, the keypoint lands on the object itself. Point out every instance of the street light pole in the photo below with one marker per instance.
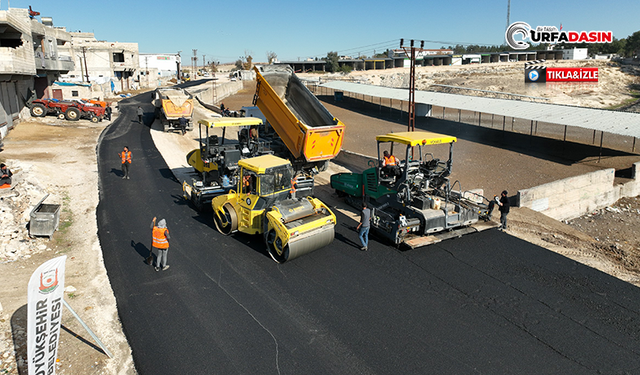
(86, 71)
(178, 78)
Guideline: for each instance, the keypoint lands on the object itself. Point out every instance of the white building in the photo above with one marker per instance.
(99, 61)
(575, 54)
(165, 64)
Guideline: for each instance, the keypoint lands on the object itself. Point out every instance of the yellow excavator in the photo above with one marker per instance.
(261, 204)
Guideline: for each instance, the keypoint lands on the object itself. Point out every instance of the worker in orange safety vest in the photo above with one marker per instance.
(390, 165)
(125, 155)
(160, 243)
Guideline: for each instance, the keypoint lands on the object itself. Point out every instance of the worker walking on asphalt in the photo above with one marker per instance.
(125, 155)
(363, 227)
(107, 112)
(160, 243)
(140, 112)
(183, 124)
(504, 209)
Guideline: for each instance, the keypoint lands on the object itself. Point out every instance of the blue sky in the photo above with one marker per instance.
(226, 30)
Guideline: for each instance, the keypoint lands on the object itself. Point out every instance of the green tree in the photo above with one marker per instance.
(345, 69)
(332, 62)
(239, 64)
(632, 47)
(382, 54)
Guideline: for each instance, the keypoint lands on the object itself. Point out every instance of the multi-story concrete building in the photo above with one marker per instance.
(30, 58)
(100, 62)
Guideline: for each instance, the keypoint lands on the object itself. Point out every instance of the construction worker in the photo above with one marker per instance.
(160, 243)
(125, 155)
(504, 209)
(248, 184)
(5, 176)
(390, 165)
(183, 124)
(140, 112)
(107, 112)
(363, 226)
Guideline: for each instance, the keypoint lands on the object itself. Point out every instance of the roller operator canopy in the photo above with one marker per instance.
(416, 138)
(261, 164)
(221, 122)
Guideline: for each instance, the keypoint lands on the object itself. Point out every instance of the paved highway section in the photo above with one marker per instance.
(485, 303)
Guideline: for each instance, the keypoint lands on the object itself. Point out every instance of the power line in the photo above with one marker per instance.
(392, 44)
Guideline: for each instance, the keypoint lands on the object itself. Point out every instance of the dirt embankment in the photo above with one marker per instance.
(616, 84)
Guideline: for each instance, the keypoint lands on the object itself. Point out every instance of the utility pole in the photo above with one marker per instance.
(146, 72)
(84, 55)
(194, 60)
(203, 62)
(508, 15)
(81, 71)
(179, 75)
(412, 82)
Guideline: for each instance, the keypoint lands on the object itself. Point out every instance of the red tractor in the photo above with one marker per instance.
(66, 109)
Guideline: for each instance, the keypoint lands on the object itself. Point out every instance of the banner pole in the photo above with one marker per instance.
(104, 348)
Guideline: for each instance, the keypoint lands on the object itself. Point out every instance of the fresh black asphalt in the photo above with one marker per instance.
(486, 303)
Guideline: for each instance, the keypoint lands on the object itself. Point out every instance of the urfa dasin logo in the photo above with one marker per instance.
(48, 281)
(551, 34)
(541, 73)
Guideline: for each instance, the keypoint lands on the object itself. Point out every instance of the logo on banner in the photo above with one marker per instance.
(551, 34)
(48, 281)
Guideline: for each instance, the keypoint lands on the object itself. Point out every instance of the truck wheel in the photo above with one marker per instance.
(95, 119)
(38, 110)
(227, 222)
(72, 114)
(60, 116)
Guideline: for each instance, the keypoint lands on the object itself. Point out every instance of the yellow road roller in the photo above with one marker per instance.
(262, 204)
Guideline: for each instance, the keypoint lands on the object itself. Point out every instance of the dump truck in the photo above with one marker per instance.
(261, 204)
(170, 105)
(309, 135)
(415, 204)
(216, 159)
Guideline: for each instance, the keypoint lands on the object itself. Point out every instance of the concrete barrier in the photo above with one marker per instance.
(575, 196)
(223, 90)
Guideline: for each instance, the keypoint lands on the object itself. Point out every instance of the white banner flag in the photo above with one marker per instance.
(44, 314)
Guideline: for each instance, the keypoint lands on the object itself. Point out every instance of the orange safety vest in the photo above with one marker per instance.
(159, 239)
(126, 156)
(390, 160)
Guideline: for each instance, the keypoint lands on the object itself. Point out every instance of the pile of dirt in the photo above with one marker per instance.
(613, 87)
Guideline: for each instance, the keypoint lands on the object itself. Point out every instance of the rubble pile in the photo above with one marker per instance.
(16, 205)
